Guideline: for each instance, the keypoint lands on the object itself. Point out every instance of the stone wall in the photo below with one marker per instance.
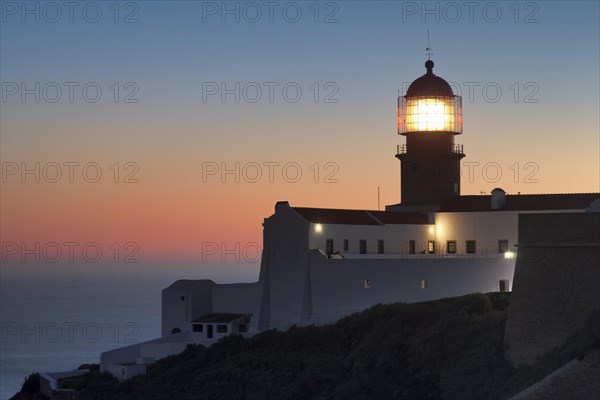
(575, 380)
(556, 282)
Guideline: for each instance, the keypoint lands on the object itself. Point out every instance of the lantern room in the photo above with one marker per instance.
(429, 106)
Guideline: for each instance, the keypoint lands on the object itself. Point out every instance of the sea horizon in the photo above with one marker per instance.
(56, 317)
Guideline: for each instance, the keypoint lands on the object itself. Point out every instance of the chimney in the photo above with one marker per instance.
(281, 205)
(498, 198)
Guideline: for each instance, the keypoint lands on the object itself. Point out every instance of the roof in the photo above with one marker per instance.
(185, 284)
(336, 216)
(400, 217)
(521, 202)
(222, 318)
(359, 217)
(429, 85)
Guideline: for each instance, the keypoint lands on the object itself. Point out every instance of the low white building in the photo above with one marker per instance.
(185, 301)
(319, 265)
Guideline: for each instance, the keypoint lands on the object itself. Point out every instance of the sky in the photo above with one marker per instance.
(169, 130)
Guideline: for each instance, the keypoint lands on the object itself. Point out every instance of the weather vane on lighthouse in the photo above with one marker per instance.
(428, 48)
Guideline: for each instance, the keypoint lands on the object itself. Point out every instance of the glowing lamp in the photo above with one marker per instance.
(429, 115)
(429, 106)
(318, 228)
(509, 255)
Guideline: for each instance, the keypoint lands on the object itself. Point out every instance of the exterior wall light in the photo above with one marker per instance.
(509, 255)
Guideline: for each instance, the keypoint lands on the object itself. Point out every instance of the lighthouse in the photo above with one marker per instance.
(429, 116)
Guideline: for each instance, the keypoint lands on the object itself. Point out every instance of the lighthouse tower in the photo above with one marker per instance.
(429, 116)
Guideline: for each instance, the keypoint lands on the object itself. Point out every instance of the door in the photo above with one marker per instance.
(329, 247)
(209, 331)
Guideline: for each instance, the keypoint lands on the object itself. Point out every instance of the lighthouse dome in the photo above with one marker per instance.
(429, 85)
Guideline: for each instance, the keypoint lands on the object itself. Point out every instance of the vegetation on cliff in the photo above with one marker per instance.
(445, 349)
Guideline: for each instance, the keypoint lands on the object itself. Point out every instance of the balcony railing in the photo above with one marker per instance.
(457, 148)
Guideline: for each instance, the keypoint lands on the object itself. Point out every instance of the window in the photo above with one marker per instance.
(412, 247)
(329, 246)
(182, 298)
(242, 328)
(424, 284)
(431, 247)
(363, 246)
(221, 328)
(346, 245)
(471, 247)
(197, 328)
(502, 246)
(451, 247)
(380, 247)
(503, 285)
(175, 330)
(367, 284)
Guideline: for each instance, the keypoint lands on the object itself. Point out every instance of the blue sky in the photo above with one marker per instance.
(544, 60)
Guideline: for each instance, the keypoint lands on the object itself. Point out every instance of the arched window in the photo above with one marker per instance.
(175, 330)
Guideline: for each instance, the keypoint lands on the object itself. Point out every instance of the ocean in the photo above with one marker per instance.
(55, 317)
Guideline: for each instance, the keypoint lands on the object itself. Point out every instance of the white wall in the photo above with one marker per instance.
(160, 350)
(283, 268)
(122, 372)
(177, 313)
(484, 227)
(129, 354)
(395, 236)
(338, 285)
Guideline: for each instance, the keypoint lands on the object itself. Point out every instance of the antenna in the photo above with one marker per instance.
(428, 48)
(378, 207)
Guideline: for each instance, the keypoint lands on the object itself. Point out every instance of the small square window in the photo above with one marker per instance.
(431, 247)
(346, 245)
(451, 247)
(503, 285)
(502, 246)
(424, 284)
(198, 328)
(412, 247)
(471, 247)
(380, 247)
(221, 328)
(367, 284)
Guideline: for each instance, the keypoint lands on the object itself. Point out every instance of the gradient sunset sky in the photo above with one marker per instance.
(543, 55)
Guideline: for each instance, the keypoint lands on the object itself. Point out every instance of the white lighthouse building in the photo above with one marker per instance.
(319, 265)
